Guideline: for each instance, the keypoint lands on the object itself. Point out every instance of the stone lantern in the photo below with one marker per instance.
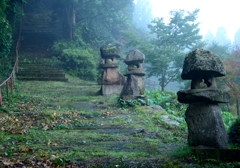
(111, 80)
(134, 86)
(203, 116)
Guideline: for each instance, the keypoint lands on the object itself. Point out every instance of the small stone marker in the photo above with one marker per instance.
(111, 80)
(134, 86)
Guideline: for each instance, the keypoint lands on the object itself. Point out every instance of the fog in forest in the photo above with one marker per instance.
(157, 28)
(218, 29)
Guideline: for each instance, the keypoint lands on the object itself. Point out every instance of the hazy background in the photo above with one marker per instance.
(213, 14)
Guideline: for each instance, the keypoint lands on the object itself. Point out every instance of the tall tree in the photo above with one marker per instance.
(232, 80)
(98, 20)
(209, 37)
(10, 13)
(6, 30)
(142, 13)
(223, 51)
(221, 36)
(237, 38)
(166, 54)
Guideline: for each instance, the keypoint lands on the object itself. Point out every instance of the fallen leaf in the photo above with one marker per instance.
(45, 128)
(7, 162)
(25, 149)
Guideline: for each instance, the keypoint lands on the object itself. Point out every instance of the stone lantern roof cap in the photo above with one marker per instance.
(134, 57)
(202, 63)
(109, 51)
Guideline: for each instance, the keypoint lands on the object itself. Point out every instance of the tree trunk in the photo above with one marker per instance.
(68, 10)
(162, 82)
(73, 23)
(237, 105)
(228, 107)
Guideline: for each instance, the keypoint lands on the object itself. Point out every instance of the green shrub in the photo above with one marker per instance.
(167, 100)
(228, 120)
(132, 103)
(5, 68)
(77, 59)
(234, 132)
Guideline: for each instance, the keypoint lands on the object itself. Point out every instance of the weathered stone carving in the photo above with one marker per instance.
(134, 86)
(205, 125)
(111, 80)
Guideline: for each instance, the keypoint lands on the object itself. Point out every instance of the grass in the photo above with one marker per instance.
(68, 124)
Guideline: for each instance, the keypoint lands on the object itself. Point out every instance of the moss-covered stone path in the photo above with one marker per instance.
(67, 123)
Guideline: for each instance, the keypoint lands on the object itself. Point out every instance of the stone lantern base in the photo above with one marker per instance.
(133, 88)
(205, 126)
(111, 89)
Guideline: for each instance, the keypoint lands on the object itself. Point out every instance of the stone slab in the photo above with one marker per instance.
(203, 95)
(111, 89)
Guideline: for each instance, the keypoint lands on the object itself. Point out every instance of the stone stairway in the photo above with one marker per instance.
(37, 38)
(38, 70)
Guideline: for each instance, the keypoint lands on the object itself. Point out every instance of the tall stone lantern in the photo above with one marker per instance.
(111, 80)
(134, 86)
(203, 115)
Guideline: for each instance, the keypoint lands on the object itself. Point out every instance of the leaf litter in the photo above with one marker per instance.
(41, 131)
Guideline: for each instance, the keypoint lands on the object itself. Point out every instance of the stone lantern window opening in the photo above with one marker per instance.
(112, 60)
(136, 66)
(203, 82)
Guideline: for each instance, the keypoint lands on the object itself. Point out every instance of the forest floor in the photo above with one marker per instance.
(67, 124)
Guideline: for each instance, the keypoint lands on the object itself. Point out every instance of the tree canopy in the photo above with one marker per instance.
(168, 44)
(10, 13)
(6, 30)
(142, 14)
(99, 21)
(221, 36)
(237, 38)
(223, 51)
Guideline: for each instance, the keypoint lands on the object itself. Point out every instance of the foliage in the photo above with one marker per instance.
(237, 38)
(142, 14)
(209, 37)
(221, 50)
(10, 14)
(100, 20)
(221, 36)
(6, 31)
(182, 151)
(156, 97)
(77, 58)
(234, 133)
(165, 48)
(6, 67)
(167, 100)
(132, 103)
(228, 120)
(231, 81)
(167, 52)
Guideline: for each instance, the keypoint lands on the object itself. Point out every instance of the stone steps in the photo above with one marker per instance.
(35, 49)
(34, 69)
(42, 79)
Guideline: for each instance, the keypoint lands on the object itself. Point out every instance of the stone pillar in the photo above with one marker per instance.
(111, 80)
(134, 87)
(203, 116)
